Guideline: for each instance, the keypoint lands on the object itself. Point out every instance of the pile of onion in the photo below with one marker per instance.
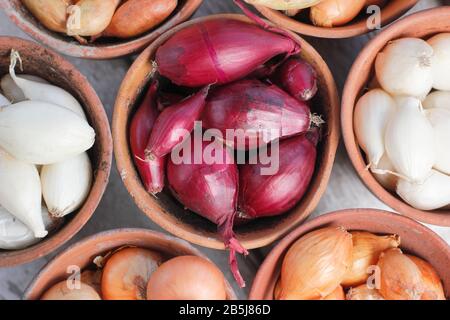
(131, 273)
(334, 264)
(219, 76)
(100, 18)
(322, 13)
(403, 122)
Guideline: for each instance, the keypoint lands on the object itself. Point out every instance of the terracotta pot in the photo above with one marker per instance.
(360, 75)
(416, 239)
(390, 12)
(45, 63)
(82, 254)
(101, 49)
(170, 214)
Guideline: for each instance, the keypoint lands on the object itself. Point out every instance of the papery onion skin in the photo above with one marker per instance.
(367, 248)
(262, 112)
(362, 292)
(276, 193)
(316, 264)
(210, 190)
(335, 13)
(12, 91)
(441, 61)
(61, 291)
(219, 51)
(126, 273)
(52, 14)
(433, 285)
(187, 278)
(440, 120)
(151, 171)
(400, 278)
(174, 124)
(337, 294)
(298, 78)
(135, 17)
(388, 181)
(4, 101)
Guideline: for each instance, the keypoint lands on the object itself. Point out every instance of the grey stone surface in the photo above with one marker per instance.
(117, 210)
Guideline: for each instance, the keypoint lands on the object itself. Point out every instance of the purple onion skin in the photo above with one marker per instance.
(219, 51)
(181, 116)
(254, 106)
(298, 78)
(272, 195)
(210, 190)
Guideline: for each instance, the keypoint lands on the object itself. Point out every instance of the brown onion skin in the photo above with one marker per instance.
(210, 190)
(271, 195)
(298, 78)
(219, 51)
(337, 294)
(433, 285)
(254, 106)
(61, 291)
(152, 172)
(362, 292)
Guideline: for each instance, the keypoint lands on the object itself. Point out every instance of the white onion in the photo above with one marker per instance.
(410, 141)
(42, 133)
(383, 173)
(44, 92)
(440, 120)
(20, 192)
(441, 61)
(14, 235)
(404, 67)
(433, 193)
(4, 101)
(437, 99)
(372, 113)
(66, 184)
(12, 91)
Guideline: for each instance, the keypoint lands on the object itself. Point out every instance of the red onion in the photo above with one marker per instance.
(151, 171)
(219, 51)
(210, 190)
(167, 99)
(271, 195)
(263, 112)
(298, 78)
(174, 124)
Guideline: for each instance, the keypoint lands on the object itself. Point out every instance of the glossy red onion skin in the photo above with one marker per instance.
(150, 171)
(210, 190)
(219, 51)
(298, 78)
(181, 116)
(272, 195)
(254, 105)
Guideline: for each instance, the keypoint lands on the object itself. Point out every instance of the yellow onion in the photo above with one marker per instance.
(334, 13)
(337, 294)
(292, 12)
(51, 13)
(316, 264)
(93, 279)
(62, 291)
(363, 292)
(367, 248)
(432, 282)
(284, 4)
(400, 278)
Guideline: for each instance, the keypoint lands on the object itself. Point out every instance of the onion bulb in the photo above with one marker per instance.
(363, 292)
(367, 248)
(52, 14)
(61, 291)
(334, 13)
(388, 181)
(404, 67)
(410, 141)
(337, 294)
(400, 278)
(441, 61)
(4, 101)
(284, 4)
(93, 279)
(431, 194)
(126, 274)
(433, 284)
(187, 278)
(66, 184)
(437, 99)
(440, 120)
(316, 264)
(372, 114)
(12, 90)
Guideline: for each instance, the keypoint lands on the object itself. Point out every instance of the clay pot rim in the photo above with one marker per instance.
(352, 29)
(148, 204)
(436, 217)
(122, 231)
(71, 228)
(102, 52)
(276, 253)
